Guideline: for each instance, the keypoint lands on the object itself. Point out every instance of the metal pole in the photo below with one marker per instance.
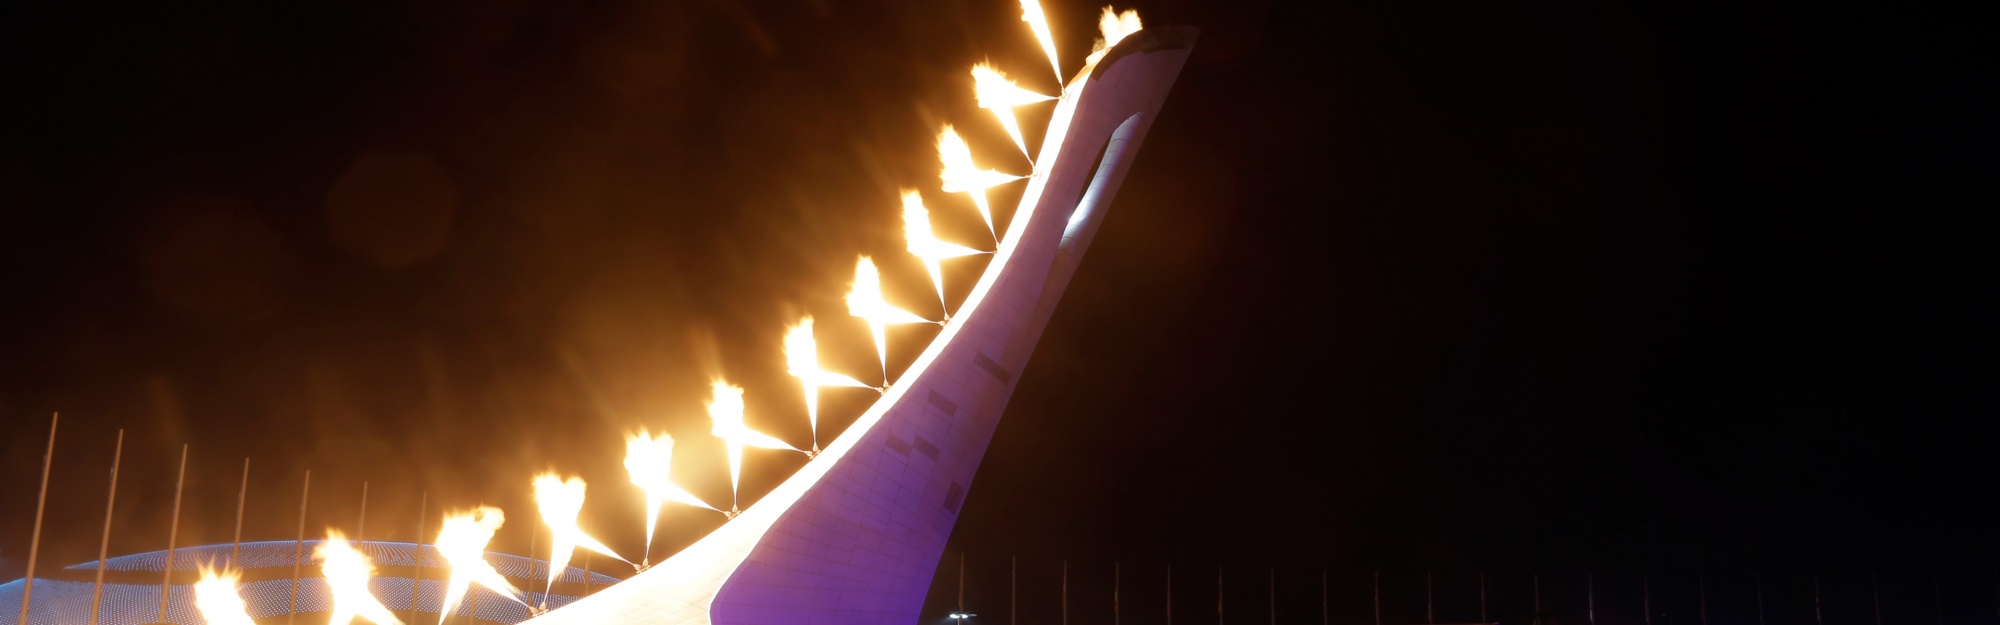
(173, 531)
(299, 548)
(1876, 590)
(104, 544)
(41, 503)
(1760, 600)
(1818, 616)
(417, 556)
(1590, 594)
(961, 582)
(361, 526)
(1701, 586)
(242, 491)
(1378, 598)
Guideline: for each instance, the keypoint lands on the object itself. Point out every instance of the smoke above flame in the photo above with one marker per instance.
(961, 175)
(996, 93)
(347, 572)
(924, 244)
(462, 542)
(216, 598)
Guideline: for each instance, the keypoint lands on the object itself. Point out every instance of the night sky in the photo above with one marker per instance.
(1616, 289)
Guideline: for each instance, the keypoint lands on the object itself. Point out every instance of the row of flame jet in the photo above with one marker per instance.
(462, 539)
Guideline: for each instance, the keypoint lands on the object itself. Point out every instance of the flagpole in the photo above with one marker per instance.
(417, 556)
(173, 532)
(104, 543)
(41, 503)
(242, 493)
(299, 548)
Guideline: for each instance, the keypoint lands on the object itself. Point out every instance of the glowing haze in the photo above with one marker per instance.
(347, 572)
(924, 244)
(649, 461)
(998, 94)
(802, 361)
(462, 542)
(216, 598)
(864, 300)
(960, 175)
(725, 408)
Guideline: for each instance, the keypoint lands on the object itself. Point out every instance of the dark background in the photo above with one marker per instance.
(1611, 289)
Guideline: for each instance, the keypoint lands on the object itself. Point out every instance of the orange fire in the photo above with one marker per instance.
(1031, 12)
(725, 408)
(347, 572)
(650, 463)
(462, 542)
(216, 598)
(924, 244)
(961, 175)
(802, 361)
(998, 94)
(1113, 27)
(865, 301)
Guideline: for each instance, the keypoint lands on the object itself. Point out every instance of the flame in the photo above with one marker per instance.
(726, 410)
(560, 501)
(998, 94)
(650, 462)
(961, 175)
(216, 597)
(1113, 27)
(802, 361)
(347, 571)
(1031, 12)
(462, 541)
(865, 301)
(924, 244)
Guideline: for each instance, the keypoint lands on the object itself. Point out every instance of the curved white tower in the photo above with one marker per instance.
(855, 535)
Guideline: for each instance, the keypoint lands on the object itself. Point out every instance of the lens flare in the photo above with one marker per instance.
(649, 461)
(216, 598)
(802, 361)
(347, 571)
(998, 94)
(1113, 27)
(924, 244)
(725, 408)
(960, 175)
(865, 300)
(1031, 12)
(561, 502)
(462, 543)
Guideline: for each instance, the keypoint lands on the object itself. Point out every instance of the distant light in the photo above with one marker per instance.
(962, 615)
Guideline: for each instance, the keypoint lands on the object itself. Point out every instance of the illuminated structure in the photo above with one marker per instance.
(132, 585)
(855, 535)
